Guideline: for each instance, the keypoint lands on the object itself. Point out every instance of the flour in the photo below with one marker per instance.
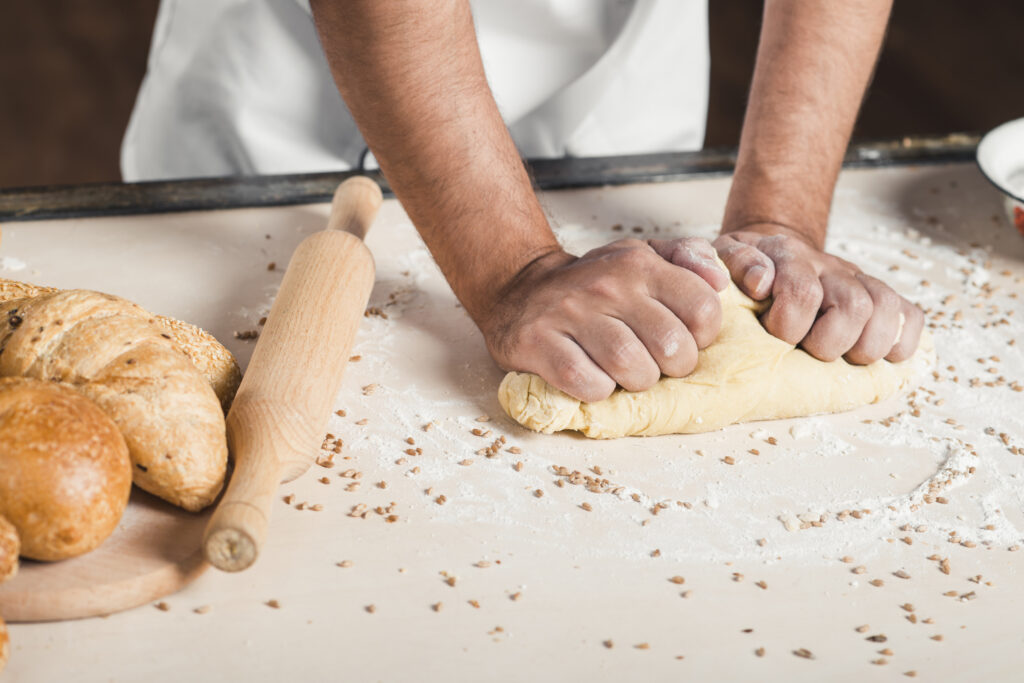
(12, 264)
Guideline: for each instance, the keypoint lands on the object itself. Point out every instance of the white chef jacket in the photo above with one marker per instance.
(241, 87)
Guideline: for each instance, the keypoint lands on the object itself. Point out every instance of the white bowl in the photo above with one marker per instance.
(1001, 160)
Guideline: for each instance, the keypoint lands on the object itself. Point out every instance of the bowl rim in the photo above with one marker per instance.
(990, 138)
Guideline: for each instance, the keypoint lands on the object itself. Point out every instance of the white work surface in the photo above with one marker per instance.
(562, 580)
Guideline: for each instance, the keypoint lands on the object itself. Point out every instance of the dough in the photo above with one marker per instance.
(746, 375)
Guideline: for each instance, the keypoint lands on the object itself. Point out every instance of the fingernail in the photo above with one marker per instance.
(754, 277)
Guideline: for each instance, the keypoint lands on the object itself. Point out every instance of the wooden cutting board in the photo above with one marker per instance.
(155, 551)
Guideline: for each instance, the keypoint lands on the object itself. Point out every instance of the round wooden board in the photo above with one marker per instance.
(155, 551)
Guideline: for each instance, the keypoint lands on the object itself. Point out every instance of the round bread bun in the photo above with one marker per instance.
(5, 645)
(65, 475)
(10, 548)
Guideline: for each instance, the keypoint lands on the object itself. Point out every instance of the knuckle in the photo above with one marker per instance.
(859, 304)
(804, 291)
(625, 354)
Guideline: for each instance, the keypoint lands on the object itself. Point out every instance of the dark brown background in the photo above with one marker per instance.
(69, 71)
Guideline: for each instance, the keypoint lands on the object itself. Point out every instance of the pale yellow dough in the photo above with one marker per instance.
(745, 375)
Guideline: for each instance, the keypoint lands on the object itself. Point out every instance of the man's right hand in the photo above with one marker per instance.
(624, 314)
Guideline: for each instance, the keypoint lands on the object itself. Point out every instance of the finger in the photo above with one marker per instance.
(695, 254)
(797, 294)
(566, 366)
(882, 328)
(910, 334)
(846, 308)
(619, 353)
(691, 300)
(665, 337)
(751, 270)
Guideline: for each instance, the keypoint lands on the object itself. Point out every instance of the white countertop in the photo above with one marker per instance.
(581, 578)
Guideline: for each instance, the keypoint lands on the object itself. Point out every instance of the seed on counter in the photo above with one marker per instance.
(480, 432)
(288, 498)
(907, 607)
(876, 583)
(340, 413)
(861, 569)
(362, 422)
(729, 460)
(608, 644)
(370, 609)
(466, 462)
(944, 565)
(482, 564)
(538, 493)
(910, 674)
(678, 580)
(887, 652)
(847, 559)
(862, 629)
(317, 508)
(324, 480)
(588, 507)
(804, 653)
(643, 646)
(345, 563)
(202, 609)
(899, 573)
(441, 500)
(754, 451)
(515, 596)
(936, 637)
(761, 584)
(382, 484)
(514, 450)
(272, 266)
(163, 606)
(474, 603)
(437, 606)
(273, 604)
(908, 540)
(737, 577)
(759, 652)
(881, 661)
(877, 638)
(484, 418)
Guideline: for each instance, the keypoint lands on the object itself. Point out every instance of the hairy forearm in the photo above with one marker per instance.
(814, 62)
(410, 73)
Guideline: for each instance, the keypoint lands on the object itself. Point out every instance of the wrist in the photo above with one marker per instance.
(813, 237)
(508, 274)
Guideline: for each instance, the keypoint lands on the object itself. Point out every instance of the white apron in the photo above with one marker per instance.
(241, 87)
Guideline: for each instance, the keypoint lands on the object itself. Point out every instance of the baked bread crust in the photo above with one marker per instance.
(110, 350)
(65, 475)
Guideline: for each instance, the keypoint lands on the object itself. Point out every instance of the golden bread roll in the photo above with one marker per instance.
(5, 645)
(10, 548)
(214, 361)
(65, 475)
(108, 349)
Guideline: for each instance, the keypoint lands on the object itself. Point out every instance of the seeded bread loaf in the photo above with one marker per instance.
(212, 360)
(65, 475)
(111, 351)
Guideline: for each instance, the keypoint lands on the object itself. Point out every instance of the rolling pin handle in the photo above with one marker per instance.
(354, 206)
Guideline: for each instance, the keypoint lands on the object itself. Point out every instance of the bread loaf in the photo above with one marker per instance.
(5, 645)
(212, 360)
(65, 475)
(109, 349)
(10, 548)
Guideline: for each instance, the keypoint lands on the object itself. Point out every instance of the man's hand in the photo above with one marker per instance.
(814, 62)
(625, 314)
(860, 318)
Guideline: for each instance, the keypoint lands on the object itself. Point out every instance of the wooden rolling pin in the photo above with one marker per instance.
(277, 421)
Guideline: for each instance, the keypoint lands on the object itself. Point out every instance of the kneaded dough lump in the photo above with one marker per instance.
(745, 375)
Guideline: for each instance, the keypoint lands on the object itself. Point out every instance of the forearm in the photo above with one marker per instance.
(410, 73)
(814, 62)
